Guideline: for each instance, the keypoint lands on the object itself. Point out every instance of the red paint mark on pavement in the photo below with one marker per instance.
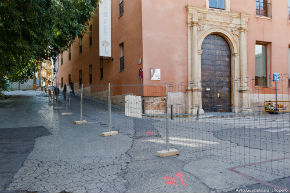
(150, 133)
(172, 181)
(180, 178)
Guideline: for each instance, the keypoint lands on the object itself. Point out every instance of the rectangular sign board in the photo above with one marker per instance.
(155, 74)
(105, 28)
(276, 77)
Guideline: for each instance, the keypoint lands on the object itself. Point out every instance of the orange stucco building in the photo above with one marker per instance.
(224, 51)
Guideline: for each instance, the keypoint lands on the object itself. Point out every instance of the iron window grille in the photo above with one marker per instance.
(91, 35)
(91, 73)
(61, 82)
(101, 69)
(80, 78)
(69, 53)
(122, 64)
(121, 8)
(263, 8)
(61, 60)
(81, 46)
(289, 11)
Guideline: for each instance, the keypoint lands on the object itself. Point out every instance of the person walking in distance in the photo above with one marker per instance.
(64, 92)
(72, 88)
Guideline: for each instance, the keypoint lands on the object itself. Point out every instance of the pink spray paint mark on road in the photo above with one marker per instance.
(180, 175)
(172, 181)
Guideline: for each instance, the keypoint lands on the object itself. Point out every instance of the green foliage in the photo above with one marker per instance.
(34, 30)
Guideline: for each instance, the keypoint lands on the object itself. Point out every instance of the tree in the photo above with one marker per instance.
(34, 30)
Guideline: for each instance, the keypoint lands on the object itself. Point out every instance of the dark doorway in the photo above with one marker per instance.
(216, 74)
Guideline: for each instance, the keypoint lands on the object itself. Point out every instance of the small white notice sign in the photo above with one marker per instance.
(155, 74)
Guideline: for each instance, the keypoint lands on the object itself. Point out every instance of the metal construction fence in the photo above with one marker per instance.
(256, 137)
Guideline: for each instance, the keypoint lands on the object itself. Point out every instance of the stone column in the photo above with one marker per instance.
(189, 75)
(196, 71)
(244, 89)
(235, 82)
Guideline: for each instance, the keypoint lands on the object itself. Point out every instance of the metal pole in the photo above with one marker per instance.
(171, 112)
(109, 107)
(197, 113)
(81, 117)
(166, 122)
(276, 90)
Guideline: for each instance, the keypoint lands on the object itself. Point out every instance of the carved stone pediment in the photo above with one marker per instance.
(205, 19)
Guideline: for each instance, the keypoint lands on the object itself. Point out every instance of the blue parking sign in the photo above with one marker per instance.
(276, 77)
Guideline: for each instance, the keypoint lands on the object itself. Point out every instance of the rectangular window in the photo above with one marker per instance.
(101, 69)
(218, 4)
(81, 45)
(263, 8)
(121, 7)
(61, 82)
(122, 62)
(69, 78)
(80, 78)
(91, 35)
(261, 65)
(69, 52)
(289, 9)
(289, 67)
(91, 73)
(61, 60)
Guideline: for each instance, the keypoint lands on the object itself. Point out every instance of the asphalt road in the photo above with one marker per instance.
(75, 158)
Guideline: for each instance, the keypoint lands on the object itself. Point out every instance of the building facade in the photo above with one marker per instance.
(224, 52)
(46, 73)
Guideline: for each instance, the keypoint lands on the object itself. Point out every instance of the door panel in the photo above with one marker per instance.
(216, 74)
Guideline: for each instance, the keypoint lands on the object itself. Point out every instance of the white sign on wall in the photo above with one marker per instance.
(105, 39)
(155, 74)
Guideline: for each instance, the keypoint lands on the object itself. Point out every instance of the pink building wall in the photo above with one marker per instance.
(164, 31)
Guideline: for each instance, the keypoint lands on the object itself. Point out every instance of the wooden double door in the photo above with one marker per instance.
(216, 74)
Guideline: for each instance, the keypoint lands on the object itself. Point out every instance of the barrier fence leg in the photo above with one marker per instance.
(110, 132)
(67, 105)
(81, 121)
(168, 152)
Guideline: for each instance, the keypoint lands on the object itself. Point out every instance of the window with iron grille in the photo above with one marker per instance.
(91, 73)
(80, 78)
(81, 45)
(289, 9)
(69, 52)
(121, 7)
(289, 67)
(61, 58)
(122, 62)
(261, 64)
(101, 69)
(91, 35)
(263, 8)
(217, 4)
(61, 82)
(69, 78)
